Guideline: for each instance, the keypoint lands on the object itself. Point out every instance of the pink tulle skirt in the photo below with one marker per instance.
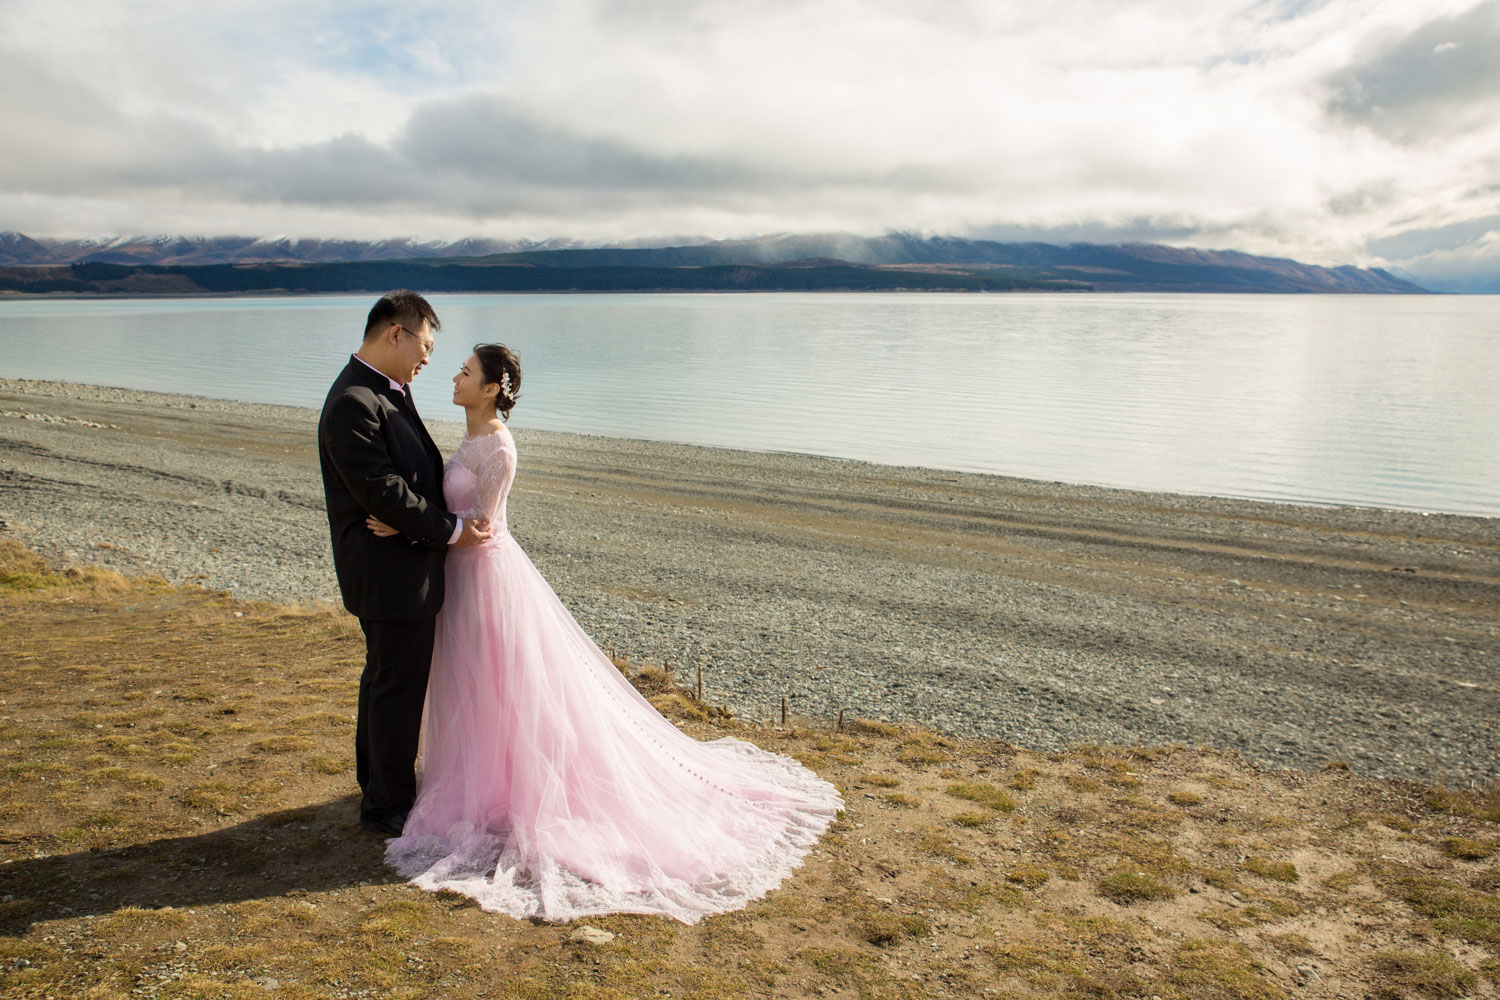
(551, 788)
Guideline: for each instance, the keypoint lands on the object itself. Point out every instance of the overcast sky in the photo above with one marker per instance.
(1348, 131)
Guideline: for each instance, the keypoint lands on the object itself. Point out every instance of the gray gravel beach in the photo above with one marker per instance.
(1043, 613)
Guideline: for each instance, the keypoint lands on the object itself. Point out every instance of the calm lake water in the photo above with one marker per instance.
(1376, 400)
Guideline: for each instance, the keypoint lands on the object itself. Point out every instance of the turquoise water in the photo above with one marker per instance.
(1375, 400)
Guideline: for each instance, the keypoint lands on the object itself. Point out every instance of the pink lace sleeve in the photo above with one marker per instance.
(495, 473)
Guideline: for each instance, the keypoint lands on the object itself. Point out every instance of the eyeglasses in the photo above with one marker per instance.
(427, 345)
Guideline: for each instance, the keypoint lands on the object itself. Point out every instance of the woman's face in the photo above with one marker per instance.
(469, 385)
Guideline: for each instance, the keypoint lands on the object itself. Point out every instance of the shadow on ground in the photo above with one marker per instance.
(292, 852)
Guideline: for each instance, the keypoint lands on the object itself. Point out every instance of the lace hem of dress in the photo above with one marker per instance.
(476, 863)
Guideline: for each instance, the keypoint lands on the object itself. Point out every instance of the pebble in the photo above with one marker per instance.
(974, 608)
(591, 935)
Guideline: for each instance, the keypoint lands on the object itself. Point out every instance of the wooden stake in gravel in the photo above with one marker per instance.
(700, 682)
(783, 711)
(841, 720)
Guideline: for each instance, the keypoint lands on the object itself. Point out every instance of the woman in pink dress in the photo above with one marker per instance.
(550, 787)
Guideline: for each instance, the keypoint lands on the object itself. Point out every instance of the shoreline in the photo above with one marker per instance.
(292, 410)
(1043, 613)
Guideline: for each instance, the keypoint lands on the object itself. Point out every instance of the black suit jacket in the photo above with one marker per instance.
(377, 458)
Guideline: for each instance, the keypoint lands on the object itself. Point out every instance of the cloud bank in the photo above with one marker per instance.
(1345, 131)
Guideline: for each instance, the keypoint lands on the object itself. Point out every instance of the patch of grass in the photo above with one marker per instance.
(1481, 804)
(326, 721)
(650, 680)
(973, 821)
(398, 919)
(16, 909)
(132, 921)
(1233, 917)
(282, 743)
(1127, 887)
(176, 759)
(228, 798)
(1081, 783)
(324, 764)
(983, 793)
(1342, 881)
(677, 705)
(1100, 928)
(942, 845)
(1454, 909)
(872, 727)
(1185, 799)
(1148, 818)
(1031, 876)
(839, 963)
(23, 572)
(901, 799)
(1152, 755)
(1291, 943)
(880, 780)
(1277, 822)
(1215, 969)
(1024, 780)
(1151, 855)
(918, 756)
(124, 746)
(882, 928)
(1406, 974)
(1042, 965)
(975, 896)
(811, 759)
(1280, 871)
(135, 779)
(1467, 850)
(27, 769)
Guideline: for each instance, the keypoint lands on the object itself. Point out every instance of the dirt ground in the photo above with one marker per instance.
(178, 820)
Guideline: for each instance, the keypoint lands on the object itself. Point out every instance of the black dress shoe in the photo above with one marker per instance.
(387, 826)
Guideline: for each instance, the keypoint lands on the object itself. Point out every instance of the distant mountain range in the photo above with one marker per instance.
(175, 265)
(18, 248)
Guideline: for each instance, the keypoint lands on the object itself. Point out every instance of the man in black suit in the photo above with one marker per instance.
(378, 458)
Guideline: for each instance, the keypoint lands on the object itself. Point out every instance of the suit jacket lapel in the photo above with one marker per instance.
(403, 402)
(410, 405)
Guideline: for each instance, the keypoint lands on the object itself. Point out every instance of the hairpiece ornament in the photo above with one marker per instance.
(505, 385)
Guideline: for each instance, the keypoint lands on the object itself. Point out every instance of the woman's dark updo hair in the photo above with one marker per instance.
(500, 365)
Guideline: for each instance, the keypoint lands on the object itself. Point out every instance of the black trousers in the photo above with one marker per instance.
(392, 690)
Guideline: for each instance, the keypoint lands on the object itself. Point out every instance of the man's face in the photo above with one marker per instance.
(415, 348)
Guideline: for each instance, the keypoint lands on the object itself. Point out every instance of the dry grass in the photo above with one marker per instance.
(1468, 850)
(178, 820)
(1281, 871)
(1477, 803)
(1420, 974)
